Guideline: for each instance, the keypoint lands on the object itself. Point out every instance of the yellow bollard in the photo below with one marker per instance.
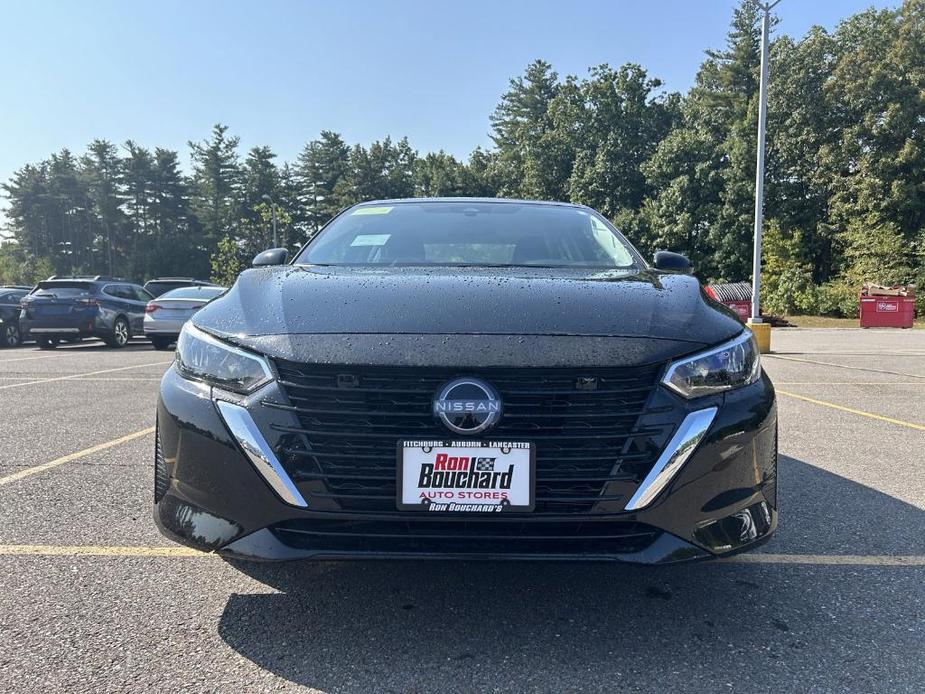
(762, 332)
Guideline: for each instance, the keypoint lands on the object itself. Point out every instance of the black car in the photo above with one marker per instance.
(10, 296)
(162, 285)
(69, 308)
(467, 377)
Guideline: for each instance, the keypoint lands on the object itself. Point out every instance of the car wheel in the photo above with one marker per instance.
(120, 333)
(10, 336)
(47, 342)
(161, 342)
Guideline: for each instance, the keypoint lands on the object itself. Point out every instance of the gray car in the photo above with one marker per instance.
(165, 316)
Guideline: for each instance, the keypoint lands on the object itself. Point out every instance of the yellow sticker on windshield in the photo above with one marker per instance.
(371, 210)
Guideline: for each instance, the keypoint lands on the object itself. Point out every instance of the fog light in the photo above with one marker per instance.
(741, 528)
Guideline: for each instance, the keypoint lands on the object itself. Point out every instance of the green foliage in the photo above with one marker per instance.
(320, 167)
(216, 183)
(877, 252)
(786, 280)
(19, 268)
(844, 204)
(227, 262)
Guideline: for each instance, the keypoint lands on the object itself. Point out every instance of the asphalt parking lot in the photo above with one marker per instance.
(93, 598)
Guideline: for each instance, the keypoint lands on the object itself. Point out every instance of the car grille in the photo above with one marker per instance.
(478, 536)
(590, 451)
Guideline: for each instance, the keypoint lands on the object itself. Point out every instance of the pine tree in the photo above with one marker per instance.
(216, 184)
(260, 193)
(319, 168)
(102, 171)
(521, 126)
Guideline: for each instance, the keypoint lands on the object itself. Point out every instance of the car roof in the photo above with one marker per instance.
(95, 281)
(503, 201)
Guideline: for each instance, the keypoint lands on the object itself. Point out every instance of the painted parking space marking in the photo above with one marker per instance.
(77, 376)
(883, 353)
(828, 559)
(74, 456)
(99, 551)
(41, 356)
(844, 366)
(848, 383)
(862, 413)
(178, 551)
(88, 378)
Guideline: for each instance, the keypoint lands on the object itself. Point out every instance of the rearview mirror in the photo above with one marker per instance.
(666, 260)
(274, 256)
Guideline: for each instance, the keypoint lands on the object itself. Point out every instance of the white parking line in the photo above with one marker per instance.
(848, 383)
(844, 366)
(92, 378)
(41, 356)
(77, 376)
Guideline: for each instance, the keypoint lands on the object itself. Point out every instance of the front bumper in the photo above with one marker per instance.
(213, 494)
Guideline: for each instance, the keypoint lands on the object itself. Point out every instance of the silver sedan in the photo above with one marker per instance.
(165, 316)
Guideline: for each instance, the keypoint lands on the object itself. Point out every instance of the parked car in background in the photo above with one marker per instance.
(161, 285)
(10, 335)
(62, 308)
(165, 316)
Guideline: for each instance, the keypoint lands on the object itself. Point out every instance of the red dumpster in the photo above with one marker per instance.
(735, 295)
(886, 307)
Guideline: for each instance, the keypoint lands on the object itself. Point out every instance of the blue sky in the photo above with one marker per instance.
(279, 71)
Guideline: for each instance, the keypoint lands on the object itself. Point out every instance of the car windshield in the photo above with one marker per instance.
(156, 288)
(204, 293)
(479, 233)
(62, 290)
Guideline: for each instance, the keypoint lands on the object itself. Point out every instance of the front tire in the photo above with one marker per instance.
(120, 333)
(10, 336)
(161, 343)
(47, 342)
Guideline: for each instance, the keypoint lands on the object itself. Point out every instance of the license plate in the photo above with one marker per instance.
(54, 310)
(466, 476)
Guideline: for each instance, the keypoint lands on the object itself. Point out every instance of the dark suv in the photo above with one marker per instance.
(162, 285)
(10, 297)
(62, 308)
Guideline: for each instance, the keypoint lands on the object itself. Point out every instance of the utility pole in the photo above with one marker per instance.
(761, 330)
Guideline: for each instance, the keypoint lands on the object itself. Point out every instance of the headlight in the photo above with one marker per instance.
(205, 358)
(731, 365)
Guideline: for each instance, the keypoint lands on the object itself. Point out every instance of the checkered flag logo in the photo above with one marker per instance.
(484, 464)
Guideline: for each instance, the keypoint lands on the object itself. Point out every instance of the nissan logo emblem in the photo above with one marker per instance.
(468, 406)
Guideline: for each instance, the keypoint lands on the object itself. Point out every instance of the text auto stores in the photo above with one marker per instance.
(448, 479)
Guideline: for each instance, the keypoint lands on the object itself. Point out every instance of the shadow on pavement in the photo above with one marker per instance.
(382, 626)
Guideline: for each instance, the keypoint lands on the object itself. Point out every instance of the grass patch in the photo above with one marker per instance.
(828, 322)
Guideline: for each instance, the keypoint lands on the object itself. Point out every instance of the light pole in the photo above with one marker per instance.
(761, 330)
(273, 211)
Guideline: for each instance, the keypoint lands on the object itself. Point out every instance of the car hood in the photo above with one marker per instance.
(312, 300)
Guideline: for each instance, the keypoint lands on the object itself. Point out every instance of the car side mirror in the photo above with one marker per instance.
(274, 256)
(666, 260)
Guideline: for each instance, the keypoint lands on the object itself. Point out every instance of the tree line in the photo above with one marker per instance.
(845, 187)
